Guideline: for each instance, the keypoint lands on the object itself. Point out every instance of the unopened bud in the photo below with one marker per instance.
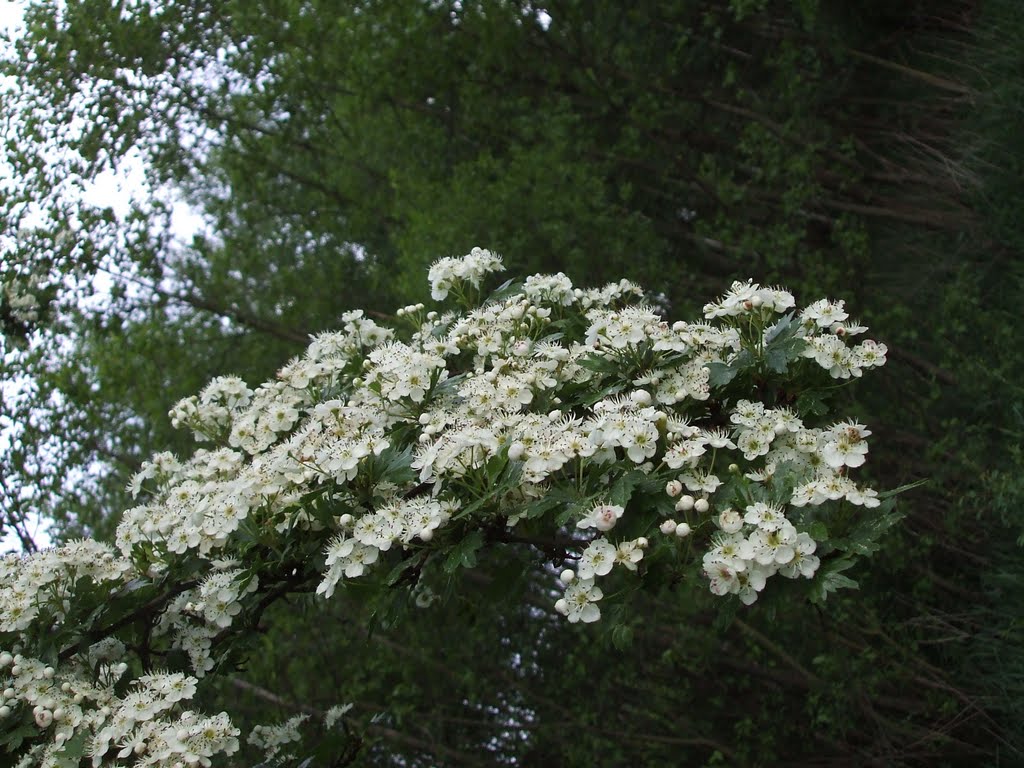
(668, 527)
(640, 397)
(683, 530)
(567, 576)
(673, 488)
(701, 505)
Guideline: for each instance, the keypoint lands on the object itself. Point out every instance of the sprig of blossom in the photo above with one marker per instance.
(580, 415)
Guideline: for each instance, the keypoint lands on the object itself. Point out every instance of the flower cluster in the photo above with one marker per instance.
(448, 273)
(146, 725)
(549, 412)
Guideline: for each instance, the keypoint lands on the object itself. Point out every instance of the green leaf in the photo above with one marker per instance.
(409, 562)
(720, 374)
(864, 538)
(782, 345)
(818, 531)
(830, 579)
(463, 555)
(546, 503)
(397, 465)
(810, 403)
(71, 755)
(13, 740)
(504, 291)
(903, 489)
(623, 488)
(622, 636)
(598, 364)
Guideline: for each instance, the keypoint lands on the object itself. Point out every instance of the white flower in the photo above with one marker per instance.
(580, 597)
(729, 520)
(597, 559)
(628, 554)
(603, 517)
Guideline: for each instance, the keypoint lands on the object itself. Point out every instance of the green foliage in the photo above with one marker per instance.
(818, 143)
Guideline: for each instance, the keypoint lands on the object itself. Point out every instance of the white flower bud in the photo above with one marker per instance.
(6, 659)
(734, 468)
(8, 693)
(780, 428)
(78, 698)
(673, 488)
(668, 527)
(426, 534)
(58, 713)
(640, 397)
(730, 521)
(755, 301)
(5, 711)
(562, 606)
(44, 718)
(701, 505)
(345, 520)
(642, 542)
(567, 576)
(48, 673)
(16, 670)
(139, 748)
(685, 503)
(65, 686)
(516, 451)
(683, 530)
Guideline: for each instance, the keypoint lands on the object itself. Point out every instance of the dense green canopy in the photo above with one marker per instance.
(335, 150)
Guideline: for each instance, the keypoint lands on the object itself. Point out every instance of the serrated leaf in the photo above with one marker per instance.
(504, 291)
(546, 503)
(614, 389)
(782, 329)
(463, 555)
(810, 404)
(864, 539)
(410, 562)
(720, 374)
(12, 740)
(71, 754)
(818, 531)
(598, 364)
(397, 465)
(830, 578)
(622, 489)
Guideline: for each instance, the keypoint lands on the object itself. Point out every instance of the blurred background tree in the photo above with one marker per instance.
(865, 151)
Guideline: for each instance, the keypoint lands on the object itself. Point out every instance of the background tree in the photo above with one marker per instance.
(334, 152)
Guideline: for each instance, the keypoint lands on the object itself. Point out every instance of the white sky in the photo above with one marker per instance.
(111, 189)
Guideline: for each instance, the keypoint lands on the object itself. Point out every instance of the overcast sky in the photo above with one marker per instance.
(113, 189)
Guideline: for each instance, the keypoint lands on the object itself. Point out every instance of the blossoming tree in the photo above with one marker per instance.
(577, 424)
